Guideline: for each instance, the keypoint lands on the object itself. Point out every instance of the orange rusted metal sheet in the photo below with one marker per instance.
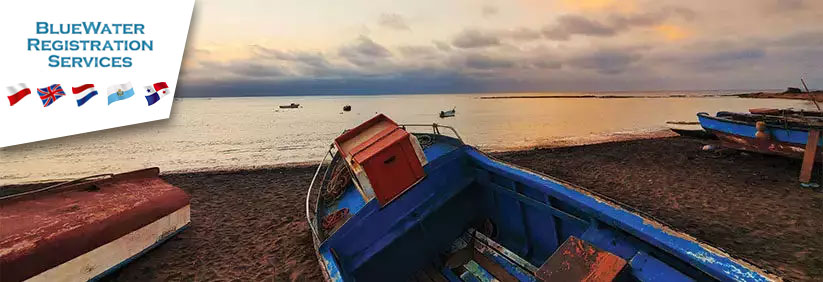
(578, 260)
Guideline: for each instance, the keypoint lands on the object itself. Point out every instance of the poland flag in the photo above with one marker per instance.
(17, 92)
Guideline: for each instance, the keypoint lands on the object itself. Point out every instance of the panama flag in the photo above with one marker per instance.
(83, 93)
(17, 91)
(50, 94)
(156, 91)
(119, 92)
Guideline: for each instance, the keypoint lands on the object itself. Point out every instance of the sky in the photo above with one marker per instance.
(321, 47)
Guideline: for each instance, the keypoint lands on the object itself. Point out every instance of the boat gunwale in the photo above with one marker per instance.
(773, 126)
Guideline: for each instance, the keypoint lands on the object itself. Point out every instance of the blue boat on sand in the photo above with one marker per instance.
(781, 132)
(470, 217)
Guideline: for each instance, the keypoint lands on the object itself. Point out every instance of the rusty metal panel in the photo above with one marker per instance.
(578, 260)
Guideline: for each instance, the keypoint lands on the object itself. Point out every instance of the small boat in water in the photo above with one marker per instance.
(777, 132)
(449, 113)
(395, 205)
(87, 228)
(290, 106)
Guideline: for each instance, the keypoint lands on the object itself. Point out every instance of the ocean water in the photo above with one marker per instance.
(221, 133)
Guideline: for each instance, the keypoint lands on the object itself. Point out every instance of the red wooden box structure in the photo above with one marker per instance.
(385, 160)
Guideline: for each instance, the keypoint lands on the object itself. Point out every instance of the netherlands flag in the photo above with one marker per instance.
(17, 91)
(155, 92)
(83, 93)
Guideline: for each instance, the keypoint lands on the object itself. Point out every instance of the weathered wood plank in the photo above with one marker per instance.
(809, 155)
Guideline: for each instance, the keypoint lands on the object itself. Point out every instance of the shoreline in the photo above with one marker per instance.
(553, 143)
(250, 223)
(608, 96)
(818, 95)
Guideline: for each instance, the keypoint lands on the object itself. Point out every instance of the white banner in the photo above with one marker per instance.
(57, 47)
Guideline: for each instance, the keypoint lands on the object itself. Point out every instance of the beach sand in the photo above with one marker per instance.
(250, 224)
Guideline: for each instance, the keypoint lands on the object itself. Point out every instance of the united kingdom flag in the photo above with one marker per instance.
(50, 94)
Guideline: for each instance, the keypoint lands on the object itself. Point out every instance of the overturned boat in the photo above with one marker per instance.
(85, 229)
(394, 205)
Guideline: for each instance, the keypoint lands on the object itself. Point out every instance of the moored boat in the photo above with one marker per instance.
(83, 230)
(466, 216)
(784, 134)
(449, 113)
(689, 129)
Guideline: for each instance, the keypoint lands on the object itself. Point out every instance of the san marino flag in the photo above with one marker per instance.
(119, 92)
(155, 92)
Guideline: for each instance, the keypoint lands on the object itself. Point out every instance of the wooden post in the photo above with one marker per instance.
(809, 155)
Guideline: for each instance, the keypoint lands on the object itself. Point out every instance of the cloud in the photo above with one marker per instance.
(623, 22)
(543, 63)
(485, 62)
(782, 6)
(316, 59)
(570, 25)
(606, 61)
(489, 11)
(393, 21)
(253, 70)
(521, 34)
(442, 46)
(727, 59)
(364, 52)
(732, 45)
(418, 51)
(417, 81)
(673, 32)
(473, 38)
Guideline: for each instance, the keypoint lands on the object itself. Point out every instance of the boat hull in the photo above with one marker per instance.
(522, 218)
(86, 230)
(787, 142)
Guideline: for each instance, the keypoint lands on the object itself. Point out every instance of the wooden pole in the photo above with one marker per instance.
(809, 155)
(810, 94)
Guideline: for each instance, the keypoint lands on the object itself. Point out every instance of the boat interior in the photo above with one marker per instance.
(473, 218)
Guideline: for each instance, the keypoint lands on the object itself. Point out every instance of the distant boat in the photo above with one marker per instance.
(347, 108)
(290, 106)
(445, 114)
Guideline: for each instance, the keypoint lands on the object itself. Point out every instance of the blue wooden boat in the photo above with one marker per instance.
(785, 134)
(475, 218)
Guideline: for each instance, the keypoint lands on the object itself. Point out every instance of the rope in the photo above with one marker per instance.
(106, 175)
(333, 219)
(340, 179)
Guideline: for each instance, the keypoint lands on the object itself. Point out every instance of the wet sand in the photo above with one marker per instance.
(250, 224)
